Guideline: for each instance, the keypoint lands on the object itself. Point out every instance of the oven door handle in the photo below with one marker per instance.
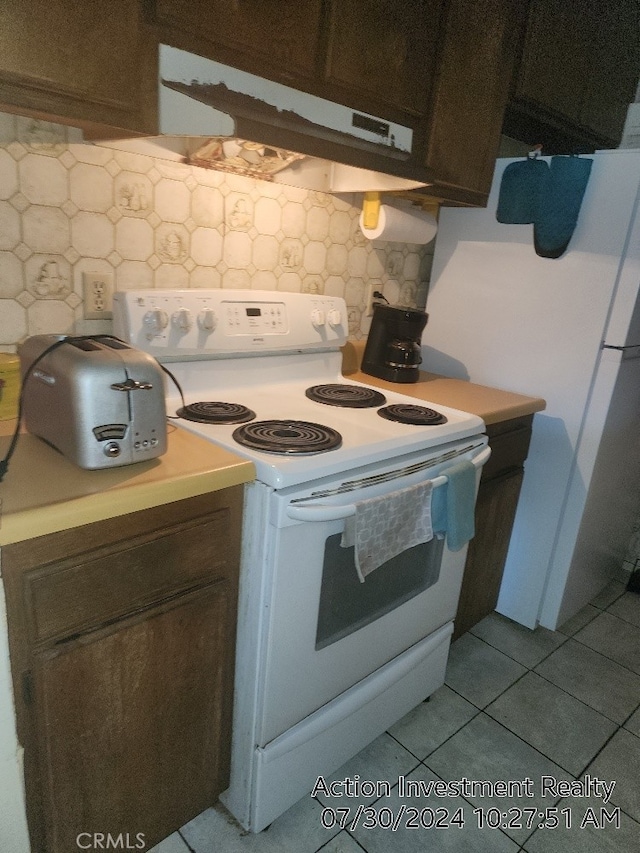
(335, 512)
(321, 512)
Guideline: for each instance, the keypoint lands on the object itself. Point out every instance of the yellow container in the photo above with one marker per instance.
(9, 385)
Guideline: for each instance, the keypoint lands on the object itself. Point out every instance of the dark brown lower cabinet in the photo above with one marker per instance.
(122, 639)
(495, 512)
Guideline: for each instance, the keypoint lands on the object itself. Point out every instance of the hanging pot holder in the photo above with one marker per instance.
(520, 190)
(560, 204)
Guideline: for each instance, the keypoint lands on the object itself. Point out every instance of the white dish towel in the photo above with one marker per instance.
(386, 526)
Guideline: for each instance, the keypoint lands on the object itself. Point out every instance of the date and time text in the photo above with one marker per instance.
(598, 814)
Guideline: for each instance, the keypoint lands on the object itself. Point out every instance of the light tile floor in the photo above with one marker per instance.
(517, 705)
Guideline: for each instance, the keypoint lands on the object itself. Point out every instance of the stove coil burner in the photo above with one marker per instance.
(346, 396)
(288, 437)
(216, 413)
(406, 413)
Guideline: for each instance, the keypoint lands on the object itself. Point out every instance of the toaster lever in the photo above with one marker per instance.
(132, 385)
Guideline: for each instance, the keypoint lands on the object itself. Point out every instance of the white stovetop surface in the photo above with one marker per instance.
(274, 388)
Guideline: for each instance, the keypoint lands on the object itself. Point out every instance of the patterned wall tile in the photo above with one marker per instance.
(8, 175)
(133, 193)
(11, 278)
(93, 235)
(41, 137)
(43, 180)
(207, 206)
(48, 277)
(206, 246)
(238, 211)
(267, 216)
(13, 322)
(68, 208)
(317, 224)
(172, 200)
(171, 242)
(91, 188)
(9, 226)
(293, 219)
(46, 229)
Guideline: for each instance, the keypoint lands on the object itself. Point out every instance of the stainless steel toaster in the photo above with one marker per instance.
(96, 399)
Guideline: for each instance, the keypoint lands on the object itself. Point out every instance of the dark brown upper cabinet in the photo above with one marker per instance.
(89, 64)
(461, 131)
(382, 54)
(280, 41)
(578, 71)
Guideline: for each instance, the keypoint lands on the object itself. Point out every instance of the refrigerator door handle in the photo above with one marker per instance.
(630, 352)
(622, 348)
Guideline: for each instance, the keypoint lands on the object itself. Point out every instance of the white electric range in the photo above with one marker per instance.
(325, 662)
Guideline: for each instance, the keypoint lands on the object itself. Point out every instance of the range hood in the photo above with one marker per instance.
(218, 117)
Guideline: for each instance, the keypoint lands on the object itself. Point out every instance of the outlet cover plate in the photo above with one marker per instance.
(97, 289)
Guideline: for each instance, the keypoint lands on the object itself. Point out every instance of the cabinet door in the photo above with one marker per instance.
(495, 512)
(134, 722)
(280, 40)
(580, 64)
(614, 68)
(385, 51)
(87, 62)
(556, 55)
(462, 136)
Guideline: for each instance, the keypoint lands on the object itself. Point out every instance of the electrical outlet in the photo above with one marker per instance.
(98, 295)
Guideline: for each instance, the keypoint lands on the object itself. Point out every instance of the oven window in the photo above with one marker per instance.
(347, 605)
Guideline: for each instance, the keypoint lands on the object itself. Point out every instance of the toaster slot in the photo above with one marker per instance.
(85, 344)
(113, 343)
(96, 344)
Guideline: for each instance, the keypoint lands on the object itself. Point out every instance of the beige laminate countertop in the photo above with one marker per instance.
(491, 404)
(43, 492)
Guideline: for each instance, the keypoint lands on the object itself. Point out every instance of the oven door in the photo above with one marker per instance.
(323, 629)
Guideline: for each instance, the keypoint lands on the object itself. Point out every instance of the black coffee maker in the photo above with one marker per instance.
(393, 346)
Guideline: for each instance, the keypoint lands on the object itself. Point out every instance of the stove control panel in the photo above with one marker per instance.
(220, 323)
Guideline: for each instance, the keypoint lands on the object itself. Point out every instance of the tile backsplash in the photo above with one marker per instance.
(67, 207)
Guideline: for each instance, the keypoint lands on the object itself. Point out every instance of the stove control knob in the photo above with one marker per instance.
(156, 320)
(207, 320)
(334, 317)
(317, 317)
(181, 319)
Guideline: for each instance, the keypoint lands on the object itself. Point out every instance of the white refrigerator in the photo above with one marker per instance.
(567, 330)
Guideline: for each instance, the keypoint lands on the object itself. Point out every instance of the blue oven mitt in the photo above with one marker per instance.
(520, 191)
(560, 203)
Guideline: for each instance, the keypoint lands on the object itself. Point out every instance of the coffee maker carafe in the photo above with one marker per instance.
(393, 350)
